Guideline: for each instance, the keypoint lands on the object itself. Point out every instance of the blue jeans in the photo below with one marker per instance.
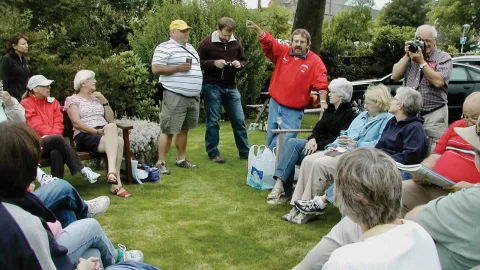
(85, 238)
(129, 265)
(63, 200)
(292, 155)
(331, 194)
(214, 97)
(291, 119)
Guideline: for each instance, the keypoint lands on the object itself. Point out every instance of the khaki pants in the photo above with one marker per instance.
(414, 194)
(437, 120)
(315, 171)
(344, 233)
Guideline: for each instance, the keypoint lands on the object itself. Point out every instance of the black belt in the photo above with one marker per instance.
(432, 110)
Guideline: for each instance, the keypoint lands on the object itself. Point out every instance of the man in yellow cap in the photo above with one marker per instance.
(177, 63)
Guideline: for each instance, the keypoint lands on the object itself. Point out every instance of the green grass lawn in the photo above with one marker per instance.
(207, 218)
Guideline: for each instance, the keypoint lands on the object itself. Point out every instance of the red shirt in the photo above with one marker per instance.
(44, 115)
(458, 161)
(294, 77)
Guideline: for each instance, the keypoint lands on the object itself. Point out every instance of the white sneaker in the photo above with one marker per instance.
(90, 175)
(291, 215)
(131, 255)
(98, 205)
(47, 178)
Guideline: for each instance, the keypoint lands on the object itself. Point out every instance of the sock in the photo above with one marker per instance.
(40, 174)
(180, 161)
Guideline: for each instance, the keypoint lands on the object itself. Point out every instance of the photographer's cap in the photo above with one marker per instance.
(38, 80)
(179, 25)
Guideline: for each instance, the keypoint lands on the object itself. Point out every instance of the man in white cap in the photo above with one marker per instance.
(177, 63)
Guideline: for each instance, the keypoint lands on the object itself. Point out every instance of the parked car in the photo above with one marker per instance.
(473, 60)
(465, 79)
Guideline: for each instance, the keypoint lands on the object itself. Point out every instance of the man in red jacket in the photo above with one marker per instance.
(297, 72)
(221, 55)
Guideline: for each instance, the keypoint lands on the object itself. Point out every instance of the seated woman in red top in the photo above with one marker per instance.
(452, 157)
(94, 129)
(44, 115)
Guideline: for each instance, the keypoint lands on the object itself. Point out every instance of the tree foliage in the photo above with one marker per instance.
(404, 13)
(456, 12)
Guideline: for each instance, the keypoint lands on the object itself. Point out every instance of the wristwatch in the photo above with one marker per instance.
(423, 65)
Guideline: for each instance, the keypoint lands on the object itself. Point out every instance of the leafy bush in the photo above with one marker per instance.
(143, 138)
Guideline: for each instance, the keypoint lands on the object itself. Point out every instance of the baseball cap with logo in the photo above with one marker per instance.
(471, 134)
(179, 25)
(38, 80)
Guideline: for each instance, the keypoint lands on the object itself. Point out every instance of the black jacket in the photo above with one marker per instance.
(14, 73)
(328, 128)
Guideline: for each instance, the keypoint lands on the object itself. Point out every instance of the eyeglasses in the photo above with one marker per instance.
(470, 118)
(427, 40)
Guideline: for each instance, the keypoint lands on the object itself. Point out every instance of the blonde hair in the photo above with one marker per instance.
(381, 95)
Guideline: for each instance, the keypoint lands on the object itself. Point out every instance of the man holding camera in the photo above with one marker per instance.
(221, 55)
(178, 65)
(427, 69)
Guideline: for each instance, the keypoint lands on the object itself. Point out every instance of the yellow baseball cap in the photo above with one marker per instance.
(179, 25)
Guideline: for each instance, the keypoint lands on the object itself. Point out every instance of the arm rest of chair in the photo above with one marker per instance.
(124, 126)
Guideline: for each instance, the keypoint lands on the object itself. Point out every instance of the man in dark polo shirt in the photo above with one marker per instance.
(429, 72)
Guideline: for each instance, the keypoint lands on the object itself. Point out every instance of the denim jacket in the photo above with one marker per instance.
(364, 132)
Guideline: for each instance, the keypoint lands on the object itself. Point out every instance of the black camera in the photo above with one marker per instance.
(229, 64)
(417, 45)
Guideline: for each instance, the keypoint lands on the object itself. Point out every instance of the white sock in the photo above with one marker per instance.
(180, 161)
(40, 174)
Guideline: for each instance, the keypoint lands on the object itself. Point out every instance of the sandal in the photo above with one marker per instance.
(120, 191)
(275, 194)
(112, 178)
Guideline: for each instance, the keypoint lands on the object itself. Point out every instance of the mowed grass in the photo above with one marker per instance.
(207, 218)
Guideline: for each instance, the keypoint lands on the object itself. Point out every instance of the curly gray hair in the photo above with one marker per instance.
(368, 187)
(342, 87)
(411, 100)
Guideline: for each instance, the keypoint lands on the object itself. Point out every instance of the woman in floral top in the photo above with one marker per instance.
(94, 129)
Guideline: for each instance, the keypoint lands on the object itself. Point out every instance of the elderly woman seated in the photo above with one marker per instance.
(403, 139)
(369, 191)
(94, 129)
(365, 130)
(338, 116)
(452, 157)
(44, 115)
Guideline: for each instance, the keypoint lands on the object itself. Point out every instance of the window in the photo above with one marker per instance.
(459, 74)
(474, 74)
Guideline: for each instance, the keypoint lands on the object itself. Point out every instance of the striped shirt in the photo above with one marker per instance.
(171, 53)
(433, 97)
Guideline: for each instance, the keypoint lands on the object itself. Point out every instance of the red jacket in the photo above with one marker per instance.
(44, 115)
(293, 77)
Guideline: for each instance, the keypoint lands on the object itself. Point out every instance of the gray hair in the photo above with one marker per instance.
(411, 100)
(428, 27)
(343, 87)
(81, 77)
(368, 187)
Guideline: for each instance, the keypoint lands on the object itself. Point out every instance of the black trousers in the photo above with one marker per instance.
(55, 148)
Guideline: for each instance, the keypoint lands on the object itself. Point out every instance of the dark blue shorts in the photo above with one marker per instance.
(87, 142)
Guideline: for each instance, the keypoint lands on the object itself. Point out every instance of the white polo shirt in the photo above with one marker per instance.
(171, 53)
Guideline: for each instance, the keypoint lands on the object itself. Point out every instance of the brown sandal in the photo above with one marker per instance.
(112, 178)
(120, 191)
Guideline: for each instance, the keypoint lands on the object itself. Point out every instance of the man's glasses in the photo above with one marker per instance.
(428, 40)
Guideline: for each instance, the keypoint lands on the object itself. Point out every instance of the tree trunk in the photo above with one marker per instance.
(309, 15)
(259, 5)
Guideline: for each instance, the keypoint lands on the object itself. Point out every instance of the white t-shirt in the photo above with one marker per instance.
(406, 246)
(170, 53)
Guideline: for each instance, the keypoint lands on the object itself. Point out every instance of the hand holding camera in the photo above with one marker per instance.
(415, 50)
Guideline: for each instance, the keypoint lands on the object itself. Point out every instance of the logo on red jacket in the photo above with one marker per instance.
(303, 68)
